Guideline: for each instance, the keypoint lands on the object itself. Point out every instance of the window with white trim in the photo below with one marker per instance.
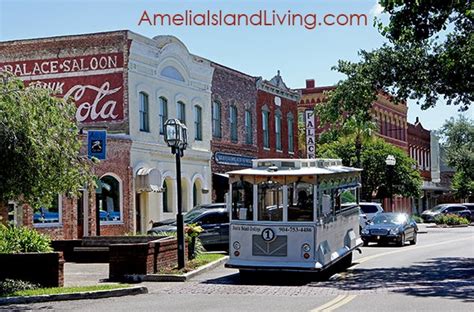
(144, 112)
(163, 113)
(197, 123)
(181, 112)
(108, 199)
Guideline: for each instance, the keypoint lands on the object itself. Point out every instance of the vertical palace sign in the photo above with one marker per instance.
(93, 82)
(310, 133)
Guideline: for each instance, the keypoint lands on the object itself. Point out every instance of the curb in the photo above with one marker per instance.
(131, 291)
(181, 278)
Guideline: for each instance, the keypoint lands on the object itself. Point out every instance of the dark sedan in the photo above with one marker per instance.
(214, 222)
(390, 227)
(457, 209)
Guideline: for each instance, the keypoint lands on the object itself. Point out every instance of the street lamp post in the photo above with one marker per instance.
(177, 138)
(390, 162)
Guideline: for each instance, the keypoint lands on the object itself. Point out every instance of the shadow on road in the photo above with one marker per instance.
(449, 277)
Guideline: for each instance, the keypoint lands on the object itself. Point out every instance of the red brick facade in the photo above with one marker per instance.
(232, 88)
(419, 148)
(274, 97)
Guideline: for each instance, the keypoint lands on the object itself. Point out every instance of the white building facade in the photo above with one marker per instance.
(166, 81)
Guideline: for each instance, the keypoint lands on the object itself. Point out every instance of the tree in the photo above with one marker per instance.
(429, 55)
(406, 180)
(39, 145)
(458, 137)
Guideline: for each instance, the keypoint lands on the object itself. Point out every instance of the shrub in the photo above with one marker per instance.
(9, 286)
(450, 219)
(417, 218)
(22, 239)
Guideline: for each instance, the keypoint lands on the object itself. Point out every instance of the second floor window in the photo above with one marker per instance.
(197, 123)
(248, 127)
(216, 120)
(233, 124)
(181, 112)
(278, 131)
(163, 113)
(144, 113)
(266, 134)
(290, 134)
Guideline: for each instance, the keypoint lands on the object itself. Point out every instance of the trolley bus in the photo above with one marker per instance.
(288, 215)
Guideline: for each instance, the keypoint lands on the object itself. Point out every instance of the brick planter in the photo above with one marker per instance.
(142, 258)
(46, 269)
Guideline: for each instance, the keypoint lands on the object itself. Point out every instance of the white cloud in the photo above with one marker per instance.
(376, 9)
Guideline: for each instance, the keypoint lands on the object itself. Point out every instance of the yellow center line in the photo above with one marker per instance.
(334, 303)
(364, 259)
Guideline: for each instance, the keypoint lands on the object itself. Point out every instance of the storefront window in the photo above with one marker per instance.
(49, 214)
(108, 199)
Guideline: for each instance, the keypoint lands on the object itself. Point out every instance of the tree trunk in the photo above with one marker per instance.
(358, 150)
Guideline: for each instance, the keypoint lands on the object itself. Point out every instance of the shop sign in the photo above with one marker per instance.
(97, 144)
(233, 159)
(94, 83)
(310, 134)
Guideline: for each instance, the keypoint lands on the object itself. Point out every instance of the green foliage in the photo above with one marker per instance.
(406, 180)
(22, 239)
(40, 145)
(64, 290)
(10, 286)
(417, 218)
(193, 229)
(450, 219)
(458, 136)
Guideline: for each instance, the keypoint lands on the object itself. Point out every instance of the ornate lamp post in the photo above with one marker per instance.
(390, 162)
(177, 138)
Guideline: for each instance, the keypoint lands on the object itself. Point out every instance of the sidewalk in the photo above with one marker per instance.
(85, 274)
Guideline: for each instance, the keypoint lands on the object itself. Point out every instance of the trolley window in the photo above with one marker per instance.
(242, 201)
(270, 201)
(300, 201)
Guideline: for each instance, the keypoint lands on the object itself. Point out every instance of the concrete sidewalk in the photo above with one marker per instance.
(85, 274)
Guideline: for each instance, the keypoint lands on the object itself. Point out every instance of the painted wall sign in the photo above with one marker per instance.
(234, 160)
(94, 83)
(97, 144)
(310, 133)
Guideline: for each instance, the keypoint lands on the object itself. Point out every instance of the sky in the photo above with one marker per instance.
(297, 52)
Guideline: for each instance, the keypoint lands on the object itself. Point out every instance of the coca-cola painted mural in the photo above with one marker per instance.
(93, 82)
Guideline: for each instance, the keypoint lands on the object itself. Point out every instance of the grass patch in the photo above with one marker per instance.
(191, 265)
(64, 290)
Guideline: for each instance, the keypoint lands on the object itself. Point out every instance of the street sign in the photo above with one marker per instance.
(97, 144)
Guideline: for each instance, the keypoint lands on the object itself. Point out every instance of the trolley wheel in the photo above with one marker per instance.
(345, 262)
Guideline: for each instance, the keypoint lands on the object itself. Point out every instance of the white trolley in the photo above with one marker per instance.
(289, 215)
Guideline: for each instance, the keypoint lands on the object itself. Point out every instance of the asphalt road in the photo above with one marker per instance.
(437, 274)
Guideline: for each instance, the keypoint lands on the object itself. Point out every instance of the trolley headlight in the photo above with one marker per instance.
(236, 245)
(306, 247)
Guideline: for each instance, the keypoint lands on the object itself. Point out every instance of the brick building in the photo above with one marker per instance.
(277, 124)
(129, 85)
(234, 134)
(391, 122)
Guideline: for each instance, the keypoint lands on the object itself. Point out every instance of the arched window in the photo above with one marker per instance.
(248, 127)
(233, 123)
(108, 197)
(290, 133)
(216, 120)
(197, 123)
(181, 112)
(265, 128)
(172, 73)
(165, 197)
(278, 130)
(144, 112)
(163, 114)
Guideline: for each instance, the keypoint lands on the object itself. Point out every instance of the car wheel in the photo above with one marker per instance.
(366, 243)
(413, 241)
(401, 243)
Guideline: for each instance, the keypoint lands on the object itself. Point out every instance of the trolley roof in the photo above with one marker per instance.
(295, 167)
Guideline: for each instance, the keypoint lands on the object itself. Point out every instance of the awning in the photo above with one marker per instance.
(148, 180)
(224, 175)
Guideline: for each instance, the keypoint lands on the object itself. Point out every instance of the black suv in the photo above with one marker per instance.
(214, 221)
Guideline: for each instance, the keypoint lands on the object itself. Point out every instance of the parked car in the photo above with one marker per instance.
(457, 209)
(215, 224)
(469, 206)
(391, 227)
(203, 206)
(363, 221)
(370, 210)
